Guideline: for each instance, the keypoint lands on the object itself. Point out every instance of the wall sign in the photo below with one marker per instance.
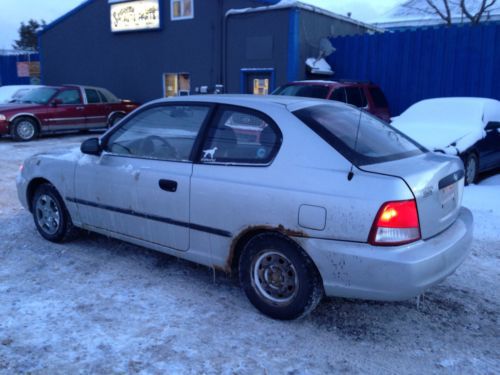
(135, 15)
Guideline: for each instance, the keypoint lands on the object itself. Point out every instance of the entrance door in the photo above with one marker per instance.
(257, 82)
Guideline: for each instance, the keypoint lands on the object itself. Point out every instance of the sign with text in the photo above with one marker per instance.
(135, 15)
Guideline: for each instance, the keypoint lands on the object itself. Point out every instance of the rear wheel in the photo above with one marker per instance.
(278, 277)
(471, 168)
(115, 119)
(50, 215)
(24, 129)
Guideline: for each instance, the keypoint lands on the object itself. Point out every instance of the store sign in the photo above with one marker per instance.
(135, 15)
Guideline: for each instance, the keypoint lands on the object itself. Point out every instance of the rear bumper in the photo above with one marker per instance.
(355, 270)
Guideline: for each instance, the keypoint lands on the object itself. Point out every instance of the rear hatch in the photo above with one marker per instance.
(437, 184)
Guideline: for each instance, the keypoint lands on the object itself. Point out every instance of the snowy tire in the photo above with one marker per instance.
(278, 277)
(50, 214)
(471, 167)
(24, 129)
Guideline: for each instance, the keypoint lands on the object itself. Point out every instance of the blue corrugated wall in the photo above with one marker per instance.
(8, 69)
(413, 65)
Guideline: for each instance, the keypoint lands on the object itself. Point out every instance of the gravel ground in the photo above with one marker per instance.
(97, 305)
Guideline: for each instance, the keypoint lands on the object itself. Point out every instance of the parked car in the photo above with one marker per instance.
(58, 108)
(365, 95)
(326, 200)
(11, 93)
(468, 127)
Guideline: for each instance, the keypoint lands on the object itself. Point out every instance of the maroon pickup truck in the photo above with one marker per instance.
(57, 108)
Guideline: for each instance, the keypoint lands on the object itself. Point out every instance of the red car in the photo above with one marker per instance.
(364, 95)
(56, 108)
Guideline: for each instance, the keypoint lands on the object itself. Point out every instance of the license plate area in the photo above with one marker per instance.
(448, 195)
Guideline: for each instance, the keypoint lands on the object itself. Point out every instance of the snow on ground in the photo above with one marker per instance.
(97, 305)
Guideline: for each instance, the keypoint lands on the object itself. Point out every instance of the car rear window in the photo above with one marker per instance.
(378, 97)
(92, 96)
(373, 141)
(308, 91)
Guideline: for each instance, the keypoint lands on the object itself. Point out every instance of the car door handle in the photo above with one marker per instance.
(168, 185)
(80, 108)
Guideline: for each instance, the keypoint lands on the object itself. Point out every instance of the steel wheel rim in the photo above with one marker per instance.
(25, 129)
(47, 214)
(275, 277)
(471, 170)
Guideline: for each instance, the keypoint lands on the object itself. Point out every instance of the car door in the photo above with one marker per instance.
(67, 111)
(489, 147)
(96, 112)
(140, 185)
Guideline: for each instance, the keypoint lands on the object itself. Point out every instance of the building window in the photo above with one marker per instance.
(181, 9)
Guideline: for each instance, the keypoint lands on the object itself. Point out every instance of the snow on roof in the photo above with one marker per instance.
(286, 4)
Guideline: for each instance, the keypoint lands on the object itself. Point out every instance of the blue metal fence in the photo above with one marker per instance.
(8, 69)
(418, 64)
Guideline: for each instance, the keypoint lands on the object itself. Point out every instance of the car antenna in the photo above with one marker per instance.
(350, 175)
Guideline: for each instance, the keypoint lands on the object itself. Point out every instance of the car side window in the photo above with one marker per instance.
(103, 97)
(338, 95)
(92, 96)
(69, 97)
(241, 136)
(162, 132)
(355, 97)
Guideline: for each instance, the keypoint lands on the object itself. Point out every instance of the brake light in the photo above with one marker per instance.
(396, 223)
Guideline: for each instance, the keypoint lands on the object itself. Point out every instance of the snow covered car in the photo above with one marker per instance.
(11, 93)
(327, 199)
(468, 127)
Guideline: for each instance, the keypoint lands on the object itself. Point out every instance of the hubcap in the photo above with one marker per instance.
(47, 214)
(275, 277)
(471, 170)
(25, 129)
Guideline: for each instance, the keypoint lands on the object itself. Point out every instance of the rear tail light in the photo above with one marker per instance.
(396, 223)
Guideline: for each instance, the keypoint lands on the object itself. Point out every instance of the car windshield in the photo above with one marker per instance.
(373, 141)
(308, 91)
(38, 96)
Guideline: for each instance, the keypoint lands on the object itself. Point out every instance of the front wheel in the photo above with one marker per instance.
(50, 215)
(471, 168)
(278, 277)
(24, 129)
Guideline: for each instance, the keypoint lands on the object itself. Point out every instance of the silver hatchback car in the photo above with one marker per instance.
(299, 197)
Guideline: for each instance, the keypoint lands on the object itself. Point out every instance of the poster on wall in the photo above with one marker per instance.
(135, 15)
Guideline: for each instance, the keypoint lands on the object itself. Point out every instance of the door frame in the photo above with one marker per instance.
(244, 72)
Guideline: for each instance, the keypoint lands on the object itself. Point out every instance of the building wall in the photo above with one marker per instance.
(256, 40)
(312, 28)
(426, 63)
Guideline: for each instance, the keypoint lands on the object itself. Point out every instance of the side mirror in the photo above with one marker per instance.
(91, 146)
(56, 102)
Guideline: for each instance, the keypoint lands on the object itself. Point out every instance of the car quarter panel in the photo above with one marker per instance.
(306, 172)
(58, 169)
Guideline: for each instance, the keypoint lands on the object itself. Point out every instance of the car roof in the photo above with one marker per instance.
(344, 82)
(246, 100)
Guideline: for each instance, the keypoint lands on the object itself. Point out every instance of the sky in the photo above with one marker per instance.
(13, 12)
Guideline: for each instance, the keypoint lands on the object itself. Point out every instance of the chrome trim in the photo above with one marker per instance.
(67, 119)
(24, 114)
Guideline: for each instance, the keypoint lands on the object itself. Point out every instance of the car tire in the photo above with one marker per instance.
(24, 129)
(51, 217)
(471, 167)
(278, 277)
(115, 119)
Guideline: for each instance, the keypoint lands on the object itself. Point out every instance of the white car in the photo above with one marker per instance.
(322, 199)
(11, 93)
(467, 127)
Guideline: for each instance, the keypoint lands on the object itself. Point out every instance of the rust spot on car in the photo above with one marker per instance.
(253, 230)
